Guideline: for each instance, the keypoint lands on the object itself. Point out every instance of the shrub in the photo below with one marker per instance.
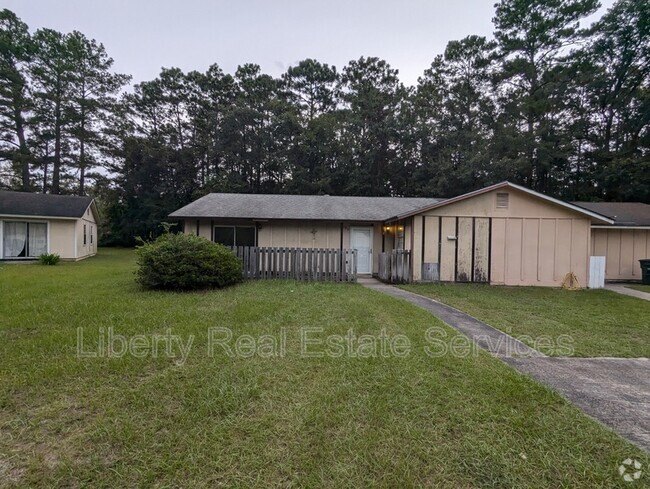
(49, 259)
(186, 262)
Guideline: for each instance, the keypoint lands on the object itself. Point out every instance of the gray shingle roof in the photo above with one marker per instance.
(47, 205)
(300, 207)
(623, 213)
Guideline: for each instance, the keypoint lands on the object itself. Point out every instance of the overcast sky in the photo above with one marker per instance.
(145, 35)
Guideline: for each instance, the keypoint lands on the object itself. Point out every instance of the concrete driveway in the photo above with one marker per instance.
(615, 391)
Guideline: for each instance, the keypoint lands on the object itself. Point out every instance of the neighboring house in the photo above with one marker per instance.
(502, 234)
(32, 224)
(623, 243)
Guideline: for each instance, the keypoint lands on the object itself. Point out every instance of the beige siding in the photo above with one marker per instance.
(464, 249)
(376, 246)
(62, 238)
(431, 239)
(416, 258)
(308, 234)
(533, 242)
(481, 249)
(622, 249)
(448, 250)
(60, 235)
(89, 248)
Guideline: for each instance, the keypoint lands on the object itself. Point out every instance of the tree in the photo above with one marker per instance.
(93, 90)
(533, 36)
(616, 73)
(16, 50)
(51, 73)
(371, 92)
(312, 91)
(456, 111)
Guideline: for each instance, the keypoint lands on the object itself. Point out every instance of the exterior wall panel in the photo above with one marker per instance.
(448, 250)
(499, 251)
(533, 242)
(62, 238)
(622, 249)
(481, 249)
(464, 251)
(292, 234)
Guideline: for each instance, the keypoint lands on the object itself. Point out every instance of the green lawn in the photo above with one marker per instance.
(450, 421)
(642, 288)
(599, 322)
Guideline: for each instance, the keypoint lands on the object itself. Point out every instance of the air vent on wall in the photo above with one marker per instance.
(502, 200)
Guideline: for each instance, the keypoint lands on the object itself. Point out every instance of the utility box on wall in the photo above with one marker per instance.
(597, 272)
(430, 272)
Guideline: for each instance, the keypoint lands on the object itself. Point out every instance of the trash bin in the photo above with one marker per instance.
(645, 271)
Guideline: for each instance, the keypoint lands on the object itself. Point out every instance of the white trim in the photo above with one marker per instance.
(600, 226)
(48, 237)
(2, 243)
(76, 244)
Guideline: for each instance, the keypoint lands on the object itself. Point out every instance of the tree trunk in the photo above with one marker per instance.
(82, 153)
(23, 151)
(56, 167)
(82, 166)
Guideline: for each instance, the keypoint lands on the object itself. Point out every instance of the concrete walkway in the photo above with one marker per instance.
(622, 289)
(491, 339)
(615, 391)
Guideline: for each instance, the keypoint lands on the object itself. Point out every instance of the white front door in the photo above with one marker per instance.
(362, 242)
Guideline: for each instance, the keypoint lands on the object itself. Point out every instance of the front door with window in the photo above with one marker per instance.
(361, 241)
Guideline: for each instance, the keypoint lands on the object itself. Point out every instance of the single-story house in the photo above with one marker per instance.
(32, 224)
(502, 234)
(623, 243)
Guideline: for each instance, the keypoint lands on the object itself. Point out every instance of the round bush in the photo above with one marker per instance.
(186, 262)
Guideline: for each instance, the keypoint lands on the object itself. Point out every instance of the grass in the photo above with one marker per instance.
(640, 287)
(258, 422)
(599, 322)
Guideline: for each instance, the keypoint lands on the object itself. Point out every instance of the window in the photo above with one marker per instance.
(24, 239)
(502, 200)
(399, 238)
(84, 235)
(234, 235)
(91, 235)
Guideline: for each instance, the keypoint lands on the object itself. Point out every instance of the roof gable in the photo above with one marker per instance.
(593, 215)
(44, 205)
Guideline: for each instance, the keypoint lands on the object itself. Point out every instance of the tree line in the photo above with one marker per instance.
(547, 103)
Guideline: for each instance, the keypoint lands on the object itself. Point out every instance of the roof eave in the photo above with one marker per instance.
(37, 216)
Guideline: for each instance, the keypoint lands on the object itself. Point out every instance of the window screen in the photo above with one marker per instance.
(244, 236)
(235, 235)
(224, 235)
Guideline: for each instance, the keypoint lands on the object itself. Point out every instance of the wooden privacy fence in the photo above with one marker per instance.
(395, 266)
(324, 264)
